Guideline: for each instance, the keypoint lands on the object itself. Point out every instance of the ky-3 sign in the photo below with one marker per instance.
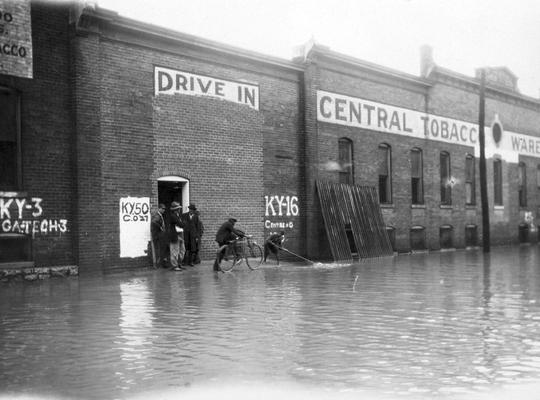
(170, 81)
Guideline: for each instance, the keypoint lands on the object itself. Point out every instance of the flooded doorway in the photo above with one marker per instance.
(173, 188)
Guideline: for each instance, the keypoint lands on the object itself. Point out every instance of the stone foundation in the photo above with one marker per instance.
(37, 273)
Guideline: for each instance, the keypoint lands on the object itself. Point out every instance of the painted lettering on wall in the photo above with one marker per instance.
(169, 81)
(278, 208)
(15, 38)
(339, 109)
(134, 226)
(25, 215)
(351, 111)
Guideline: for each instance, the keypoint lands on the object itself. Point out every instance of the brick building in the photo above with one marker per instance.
(103, 117)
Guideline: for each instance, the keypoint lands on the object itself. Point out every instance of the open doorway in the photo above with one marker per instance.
(173, 188)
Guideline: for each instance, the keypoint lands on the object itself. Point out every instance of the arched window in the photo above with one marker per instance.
(418, 238)
(385, 173)
(417, 177)
(446, 237)
(10, 141)
(497, 182)
(470, 180)
(346, 172)
(446, 183)
(522, 184)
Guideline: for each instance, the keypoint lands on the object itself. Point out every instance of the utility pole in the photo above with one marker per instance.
(483, 181)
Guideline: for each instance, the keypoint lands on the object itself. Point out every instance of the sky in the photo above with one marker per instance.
(464, 34)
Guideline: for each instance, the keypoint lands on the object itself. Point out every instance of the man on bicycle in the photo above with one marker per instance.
(226, 233)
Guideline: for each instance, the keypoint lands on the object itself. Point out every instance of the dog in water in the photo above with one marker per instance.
(273, 244)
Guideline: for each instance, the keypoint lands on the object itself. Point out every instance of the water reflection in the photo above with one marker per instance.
(445, 325)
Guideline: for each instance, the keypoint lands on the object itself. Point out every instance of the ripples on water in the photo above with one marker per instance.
(444, 325)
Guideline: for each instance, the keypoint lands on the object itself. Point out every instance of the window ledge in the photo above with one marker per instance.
(418, 206)
(470, 206)
(446, 206)
(497, 208)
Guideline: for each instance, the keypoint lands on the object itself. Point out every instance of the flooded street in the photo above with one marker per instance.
(443, 325)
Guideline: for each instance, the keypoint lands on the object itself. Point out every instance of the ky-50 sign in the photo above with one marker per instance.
(134, 211)
(134, 226)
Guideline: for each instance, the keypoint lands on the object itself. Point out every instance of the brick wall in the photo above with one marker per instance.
(46, 136)
(219, 146)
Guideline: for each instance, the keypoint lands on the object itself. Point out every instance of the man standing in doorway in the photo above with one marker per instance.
(176, 236)
(193, 231)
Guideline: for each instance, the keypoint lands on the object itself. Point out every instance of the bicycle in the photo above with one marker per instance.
(238, 250)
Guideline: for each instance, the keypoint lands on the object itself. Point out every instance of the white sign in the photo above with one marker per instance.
(356, 112)
(134, 226)
(170, 81)
(15, 38)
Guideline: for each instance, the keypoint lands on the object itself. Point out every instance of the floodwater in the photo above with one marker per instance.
(450, 325)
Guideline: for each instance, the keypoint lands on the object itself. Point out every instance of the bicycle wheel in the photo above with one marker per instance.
(253, 255)
(228, 261)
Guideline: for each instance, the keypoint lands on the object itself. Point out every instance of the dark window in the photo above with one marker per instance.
(417, 177)
(10, 158)
(470, 182)
(538, 176)
(497, 182)
(385, 174)
(446, 237)
(15, 247)
(471, 236)
(418, 238)
(391, 231)
(345, 149)
(522, 184)
(446, 184)
(523, 231)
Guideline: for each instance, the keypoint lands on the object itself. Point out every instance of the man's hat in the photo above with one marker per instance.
(192, 206)
(175, 206)
(232, 219)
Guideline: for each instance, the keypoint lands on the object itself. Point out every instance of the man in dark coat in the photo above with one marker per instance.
(160, 240)
(224, 235)
(273, 244)
(193, 231)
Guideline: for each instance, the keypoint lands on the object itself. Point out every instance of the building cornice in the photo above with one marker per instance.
(96, 19)
(440, 74)
(319, 53)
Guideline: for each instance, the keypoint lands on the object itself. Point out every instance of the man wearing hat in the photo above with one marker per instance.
(224, 235)
(193, 231)
(176, 237)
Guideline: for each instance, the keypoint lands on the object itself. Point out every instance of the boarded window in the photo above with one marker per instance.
(385, 174)
(417, 177)
(470, 181)
(446, 184)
